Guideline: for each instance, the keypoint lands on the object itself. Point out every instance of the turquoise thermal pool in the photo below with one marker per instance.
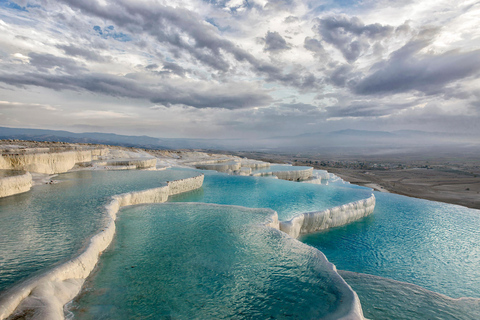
(52, 222)
(210, 258)
(199, 261)
(286, 197)
(430, 244)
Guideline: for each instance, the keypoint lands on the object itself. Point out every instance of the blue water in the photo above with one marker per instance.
(384, 298)
(430, 244)
(52, 222)
(197, 261)
(286, 197)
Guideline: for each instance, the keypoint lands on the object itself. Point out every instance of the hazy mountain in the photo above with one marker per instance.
(343, 142)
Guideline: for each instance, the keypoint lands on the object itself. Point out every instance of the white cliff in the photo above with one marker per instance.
(44, 296)
(292, 175)
(313, 180)
(220, 167)
(334, 217)
(138, 163)
(49, 163)
(15, 184)
(233, 165)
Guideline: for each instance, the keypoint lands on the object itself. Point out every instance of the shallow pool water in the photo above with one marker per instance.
(286, 197)
(199, 261)
(384, 298)
(431, 244)
(52, 222)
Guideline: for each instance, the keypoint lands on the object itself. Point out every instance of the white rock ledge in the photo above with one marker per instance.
(43, 296)
(140, 163)
(49, 163)
(292, 175)
(309, 222)
(15, 184)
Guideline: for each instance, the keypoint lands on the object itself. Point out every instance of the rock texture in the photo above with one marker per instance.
(15, 184)
(49, 163)
(293, 175)
(138, 163)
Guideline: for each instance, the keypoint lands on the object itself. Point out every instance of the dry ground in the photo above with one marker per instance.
(432, 184)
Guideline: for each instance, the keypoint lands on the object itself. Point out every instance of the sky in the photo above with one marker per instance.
(241, 69)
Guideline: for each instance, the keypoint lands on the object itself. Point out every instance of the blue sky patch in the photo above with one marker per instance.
(109, 32)
(11, 5)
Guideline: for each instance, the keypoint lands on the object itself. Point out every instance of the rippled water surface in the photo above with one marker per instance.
(51, 222)
(388, 299)
(198, 261)
(430, 244)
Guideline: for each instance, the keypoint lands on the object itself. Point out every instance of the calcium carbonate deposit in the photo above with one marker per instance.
(225, 245)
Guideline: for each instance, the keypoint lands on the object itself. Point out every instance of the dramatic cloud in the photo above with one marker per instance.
(274, 42)
(75, 51)
(350, 35)
(235, 68)
(233, 96)
(408, 70)
(44, 62)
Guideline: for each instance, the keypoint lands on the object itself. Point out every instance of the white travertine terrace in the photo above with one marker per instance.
(220, 167)
(318, 176)
(44, 296)
(293, 175)
(15, 184)
(313, 180)
(233, 165)
(334, 217)
(139, 163)
(49, 163)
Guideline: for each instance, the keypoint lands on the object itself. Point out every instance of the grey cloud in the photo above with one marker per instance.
(303, 81)
(279, 5)
(350, 35)
(169, 25)
(232, 96)
(408, 70)
(168, 68)
(274, 42)
(341, 75)
(44, 62)
(291, 19)
(315, 46)
(365, 109)
(152, 66)
(173, 68)
(88, 54)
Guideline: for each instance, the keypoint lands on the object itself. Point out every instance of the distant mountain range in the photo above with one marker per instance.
(336, 142)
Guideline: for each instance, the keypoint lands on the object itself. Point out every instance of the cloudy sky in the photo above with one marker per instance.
(240, 68)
